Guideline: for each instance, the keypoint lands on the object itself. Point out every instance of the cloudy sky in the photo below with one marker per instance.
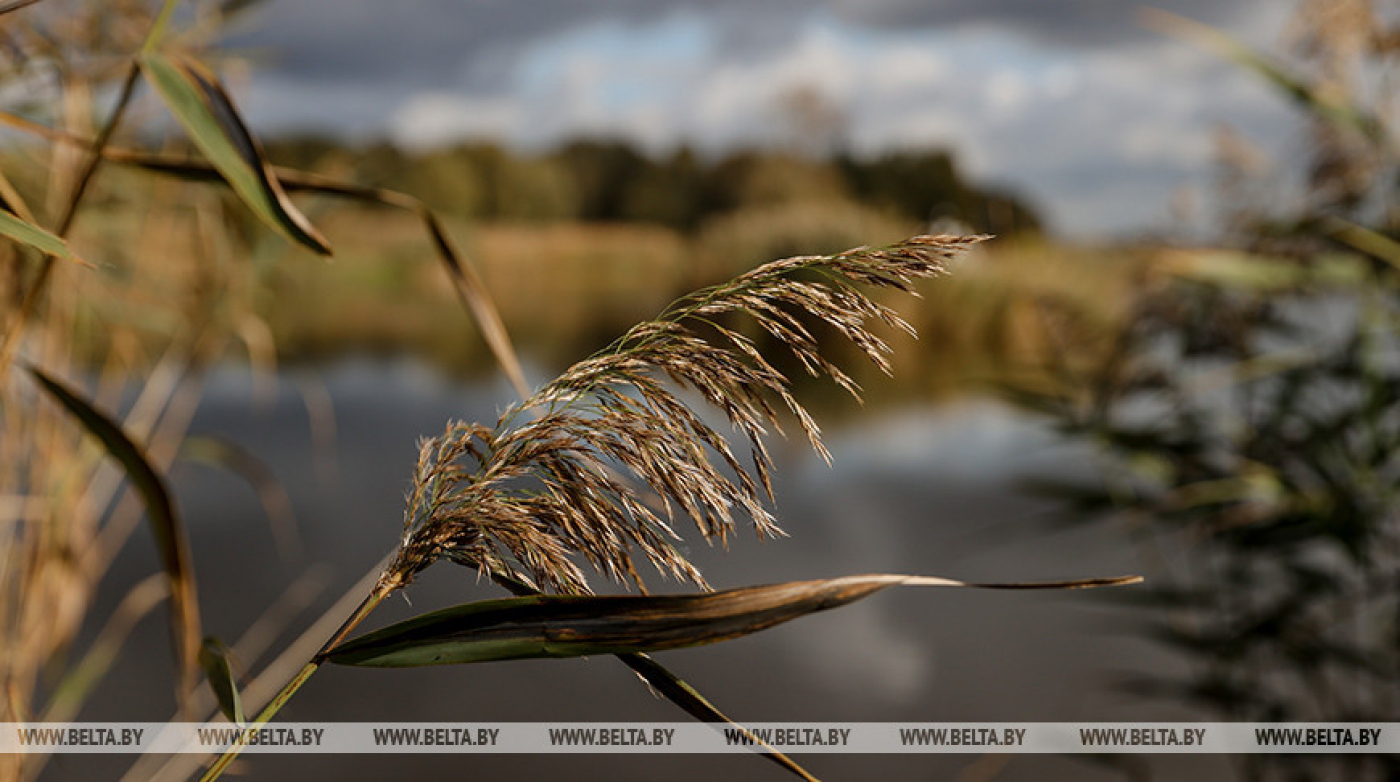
(1073, 102)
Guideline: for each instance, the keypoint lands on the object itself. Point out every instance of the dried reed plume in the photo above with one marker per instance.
(528, 499)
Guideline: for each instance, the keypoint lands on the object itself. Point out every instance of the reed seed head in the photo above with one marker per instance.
(595, 466)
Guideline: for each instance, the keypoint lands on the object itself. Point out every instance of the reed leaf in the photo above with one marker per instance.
(214, 661)
(15, 5)
(688, 699)
(1253, 272)
(171, 541)
(1321, 103)
(16, 228)
(678, 691)
(194, 97)
(578, 626)
(471, 290)
(1363, 239)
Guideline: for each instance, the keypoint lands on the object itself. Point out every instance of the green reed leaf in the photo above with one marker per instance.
(576, 626)
(1366, 240)
(214, 661)
(194, 96)
(159, 26)
(14, 227)
(166, 525)
(1246, 271)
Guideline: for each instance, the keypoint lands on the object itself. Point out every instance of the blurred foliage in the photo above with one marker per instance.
(927, 184)
(575, 245)
(614, 233)
(165, 289)
(612, 181)
(568, 288)
(1249, 412)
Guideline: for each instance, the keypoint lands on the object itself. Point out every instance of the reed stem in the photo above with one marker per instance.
(279, 700)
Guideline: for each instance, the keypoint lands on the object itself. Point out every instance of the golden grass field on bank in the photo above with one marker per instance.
(565, 289)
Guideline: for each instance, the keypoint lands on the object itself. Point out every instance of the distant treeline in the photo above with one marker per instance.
(613, 181)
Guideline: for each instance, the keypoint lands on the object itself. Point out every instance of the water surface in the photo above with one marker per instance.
(930, 490)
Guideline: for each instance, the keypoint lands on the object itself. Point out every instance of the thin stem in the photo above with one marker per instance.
(279, 700)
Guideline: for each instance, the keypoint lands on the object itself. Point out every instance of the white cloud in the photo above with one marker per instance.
(901, 71)
(1101, 137)
(437, 119)
(1007, 93)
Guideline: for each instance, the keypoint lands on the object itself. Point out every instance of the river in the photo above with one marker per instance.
(925, 490)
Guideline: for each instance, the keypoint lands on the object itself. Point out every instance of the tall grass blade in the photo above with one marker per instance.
(29, 303)
(1329, 107)
(169, 532)
(12, 201)
(15, 5)
(1366, 240)
(214, 661)
(465, 279)
(12, 226)
(577, 626)
(194, 96)
(158, 27)
(1262, 274)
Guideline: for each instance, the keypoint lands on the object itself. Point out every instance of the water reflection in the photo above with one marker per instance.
(911, 490)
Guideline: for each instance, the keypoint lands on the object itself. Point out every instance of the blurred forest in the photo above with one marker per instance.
(574, 245)
(577, 243)
(612, 181)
